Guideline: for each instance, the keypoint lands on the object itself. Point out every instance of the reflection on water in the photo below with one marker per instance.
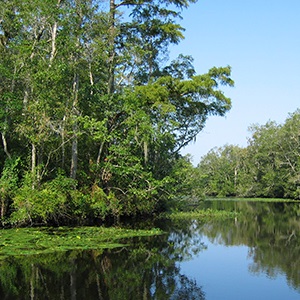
(152, 268)
(270, 230)
(146, 270)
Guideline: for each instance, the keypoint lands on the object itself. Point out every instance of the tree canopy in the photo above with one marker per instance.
(268, 167)
(92, 115)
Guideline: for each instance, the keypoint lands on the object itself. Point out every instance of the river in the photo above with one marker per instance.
(255, 255)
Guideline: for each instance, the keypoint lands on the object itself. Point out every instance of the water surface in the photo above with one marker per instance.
(254, 256)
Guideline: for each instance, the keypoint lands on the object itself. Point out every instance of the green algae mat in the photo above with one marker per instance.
(28, 241)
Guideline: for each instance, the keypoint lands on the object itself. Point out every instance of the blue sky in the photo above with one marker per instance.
(260, 40)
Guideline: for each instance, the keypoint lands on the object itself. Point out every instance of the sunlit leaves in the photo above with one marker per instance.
(89, 93)
(267, 167)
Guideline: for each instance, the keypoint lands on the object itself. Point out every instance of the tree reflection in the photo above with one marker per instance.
(148, 269)
(269, 230)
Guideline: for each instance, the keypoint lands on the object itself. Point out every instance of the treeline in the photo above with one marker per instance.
(268, 167)
(92, 117)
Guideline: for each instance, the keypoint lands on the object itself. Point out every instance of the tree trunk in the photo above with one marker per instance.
(63, 151)
(145, 152)
(4, 141)
(100, 153)
(33, 164)
(3, 208)
(74, 160)
(111, 41)
(74, 157)
(53, 43)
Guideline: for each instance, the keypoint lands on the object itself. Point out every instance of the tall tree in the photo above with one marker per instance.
(92, 95)
(267, 167)
(289, 155)
(221, 171)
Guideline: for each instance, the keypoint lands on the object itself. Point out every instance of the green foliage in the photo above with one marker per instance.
(268, 167)
(203, 215)
(220, 171)
(8, 183)
(183, 186)
(88, 93)
(29, 241)
(43, 204)
(99, 202)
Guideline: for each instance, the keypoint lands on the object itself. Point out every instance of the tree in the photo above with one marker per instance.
(93, 97)
(221, 171)
(289, 154)
(263, 152)
(267, 167)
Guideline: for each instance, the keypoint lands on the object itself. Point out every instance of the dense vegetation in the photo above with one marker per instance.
(268, 167)
(92, 114)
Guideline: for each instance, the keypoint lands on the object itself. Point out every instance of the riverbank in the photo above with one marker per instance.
(41, 240)
(250, 199)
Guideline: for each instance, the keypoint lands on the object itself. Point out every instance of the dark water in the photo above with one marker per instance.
(254, 256)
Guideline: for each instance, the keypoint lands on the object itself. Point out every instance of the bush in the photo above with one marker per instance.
(8, 184)
(44, 204)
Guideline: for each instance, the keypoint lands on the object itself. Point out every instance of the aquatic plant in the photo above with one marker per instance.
(28, 241)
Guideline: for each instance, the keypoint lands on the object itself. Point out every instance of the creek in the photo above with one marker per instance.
(255, 255)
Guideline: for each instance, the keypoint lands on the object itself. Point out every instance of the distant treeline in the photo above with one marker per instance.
(268, 167)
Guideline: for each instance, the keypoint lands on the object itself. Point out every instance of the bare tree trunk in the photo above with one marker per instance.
(111, 41)
(75, 112)
(74, 158)
(3, 208)
(8, 119)
(63, 151)
(4, 141)
(33, 164)
(235, 177)
(100, 153)
(91, 78)
(53, 43)
(145, 152)
(53, 38)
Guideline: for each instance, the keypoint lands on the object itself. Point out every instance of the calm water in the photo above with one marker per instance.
(255, 256)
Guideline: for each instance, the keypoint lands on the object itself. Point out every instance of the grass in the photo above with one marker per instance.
(28, 241)
(215, 214)
(203, 215)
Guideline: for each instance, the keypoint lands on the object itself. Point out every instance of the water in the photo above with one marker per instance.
(254, 256)
(233, 279)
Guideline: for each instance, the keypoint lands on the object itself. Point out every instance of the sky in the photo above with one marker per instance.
(260, 40)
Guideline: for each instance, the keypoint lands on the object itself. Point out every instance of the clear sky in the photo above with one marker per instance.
(260, 40)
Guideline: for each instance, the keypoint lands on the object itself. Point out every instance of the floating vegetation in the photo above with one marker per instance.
(28, 241)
